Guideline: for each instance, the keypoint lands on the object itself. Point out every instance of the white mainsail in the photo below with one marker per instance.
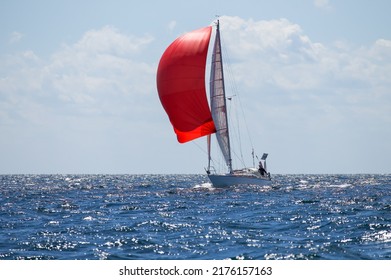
(218, 101)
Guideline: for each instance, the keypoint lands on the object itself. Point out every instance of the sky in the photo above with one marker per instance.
(78, 84)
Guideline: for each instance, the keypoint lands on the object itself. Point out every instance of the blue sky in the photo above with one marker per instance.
(78, 95)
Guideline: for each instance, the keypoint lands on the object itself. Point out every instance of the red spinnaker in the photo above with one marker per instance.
(181, 85)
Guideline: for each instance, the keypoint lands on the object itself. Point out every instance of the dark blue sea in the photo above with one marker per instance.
(183, 217)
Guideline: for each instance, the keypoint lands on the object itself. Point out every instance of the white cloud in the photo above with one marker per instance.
(110, 40)
(85, 101)
(323, 4)
(96, 74)
(172, 25)
(274, 51)
(305, 88)
(278, 53)
(15, 37)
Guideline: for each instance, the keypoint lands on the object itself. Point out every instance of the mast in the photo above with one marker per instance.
(218, 100)
(208, 139)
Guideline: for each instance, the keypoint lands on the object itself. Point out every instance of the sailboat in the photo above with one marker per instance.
(182, 91)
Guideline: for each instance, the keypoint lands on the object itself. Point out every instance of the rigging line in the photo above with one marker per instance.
(199, 147)
(232, 84)
(245, 122)
(204, 151)
(237, 133)
(235, 90)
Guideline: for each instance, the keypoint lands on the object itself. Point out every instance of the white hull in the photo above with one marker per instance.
(227, 180)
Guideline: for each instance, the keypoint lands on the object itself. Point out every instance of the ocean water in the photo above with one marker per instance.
(183, 217)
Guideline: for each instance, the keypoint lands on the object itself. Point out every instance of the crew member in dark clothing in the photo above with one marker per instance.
(261, 169)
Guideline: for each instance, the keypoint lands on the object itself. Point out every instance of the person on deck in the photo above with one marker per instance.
(261, 169)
